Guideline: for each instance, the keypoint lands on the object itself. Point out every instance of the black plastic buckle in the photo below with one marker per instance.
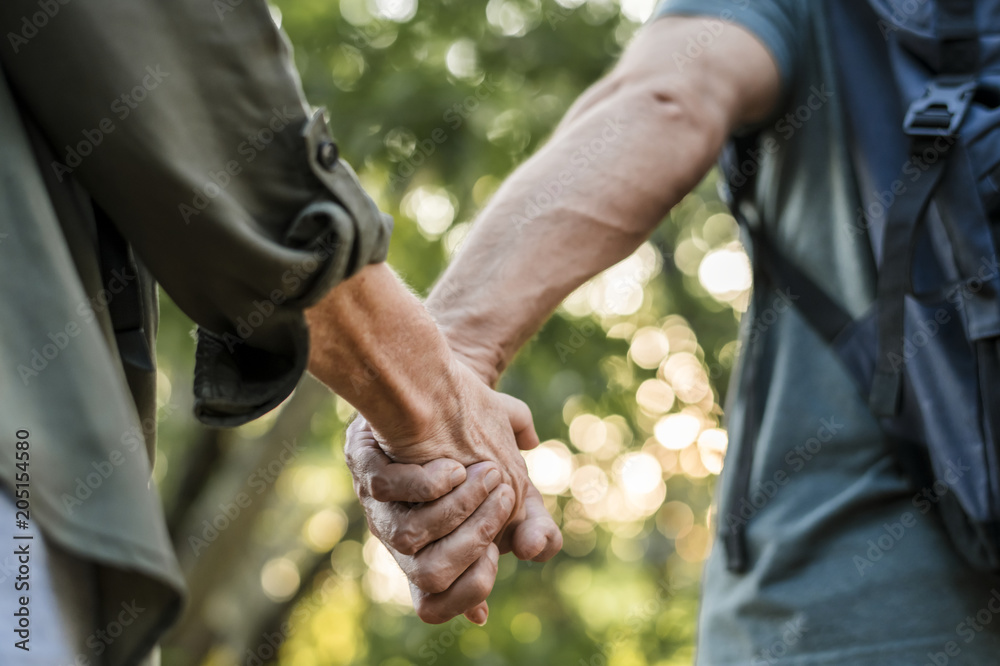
(941, 110)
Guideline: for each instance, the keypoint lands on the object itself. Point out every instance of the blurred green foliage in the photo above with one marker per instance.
(434, 104)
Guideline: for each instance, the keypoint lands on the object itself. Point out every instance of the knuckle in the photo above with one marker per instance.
(431, 580)
(428, 613)
(449, 514)
(456, 511)
(406, 539)
(511, 498)
(482, 585)
(380, 488)
(419, 489)
(486, 531)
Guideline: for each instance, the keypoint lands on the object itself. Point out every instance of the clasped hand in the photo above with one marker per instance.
(447, 499)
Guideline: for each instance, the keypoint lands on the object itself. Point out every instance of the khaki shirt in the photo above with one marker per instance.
(184, 124)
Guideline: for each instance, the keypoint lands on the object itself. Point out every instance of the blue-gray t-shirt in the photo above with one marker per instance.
(849, 564)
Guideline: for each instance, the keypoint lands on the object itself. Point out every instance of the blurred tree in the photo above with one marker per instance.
(435, 104)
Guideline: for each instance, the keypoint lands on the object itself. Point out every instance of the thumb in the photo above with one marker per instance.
(521, 422)
(479, 614)
(537, 537)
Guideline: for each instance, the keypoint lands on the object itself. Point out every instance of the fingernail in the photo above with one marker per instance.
(492, 479)
(457, 476)
(479, 617)
(506, 502)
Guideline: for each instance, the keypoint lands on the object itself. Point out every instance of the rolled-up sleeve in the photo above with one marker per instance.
(185, 121)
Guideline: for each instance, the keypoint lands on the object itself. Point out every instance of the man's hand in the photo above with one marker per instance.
(445, 535)
(372, 342)
(475, 425)
(445, 544)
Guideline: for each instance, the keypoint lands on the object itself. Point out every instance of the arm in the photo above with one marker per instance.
(197, 143)
(627, 151)
(374, 344)
(664, 130)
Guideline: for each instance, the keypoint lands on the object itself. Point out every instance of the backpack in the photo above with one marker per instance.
(920, 84)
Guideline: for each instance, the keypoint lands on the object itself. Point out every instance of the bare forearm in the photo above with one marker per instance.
(374, 345)
(564, 216)
(628, 150)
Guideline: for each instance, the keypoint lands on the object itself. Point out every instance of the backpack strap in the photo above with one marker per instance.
(736, 190)
(932, 124)
(894, 282)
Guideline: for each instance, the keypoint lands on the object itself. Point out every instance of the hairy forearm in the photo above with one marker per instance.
(627, 151)
(372, 342)
(584, 202)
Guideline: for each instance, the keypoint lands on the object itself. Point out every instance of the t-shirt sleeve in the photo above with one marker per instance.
(776, 23)
(185, 122)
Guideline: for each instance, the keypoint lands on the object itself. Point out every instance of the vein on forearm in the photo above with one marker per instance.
(584, 202)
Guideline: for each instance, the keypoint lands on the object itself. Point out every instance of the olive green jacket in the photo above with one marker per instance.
(182, 124)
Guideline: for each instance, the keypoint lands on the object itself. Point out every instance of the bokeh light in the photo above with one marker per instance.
(280, 579)
(384, 581)
(649, 347)
(526, 627)
(433, 210)
(399, 11)
(550, 467)
(677, 431)
(726, 273)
